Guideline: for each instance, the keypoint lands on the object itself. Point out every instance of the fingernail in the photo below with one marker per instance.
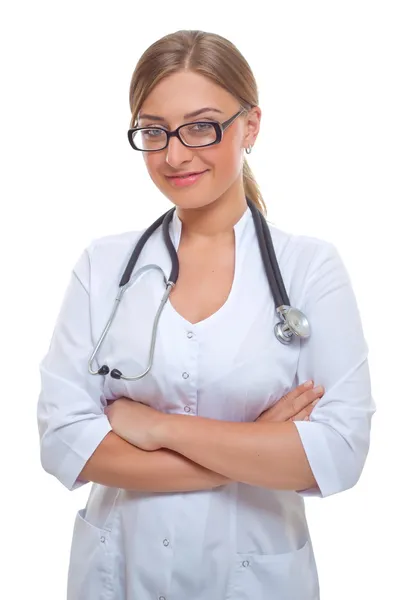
(308, 383)
(315, 402)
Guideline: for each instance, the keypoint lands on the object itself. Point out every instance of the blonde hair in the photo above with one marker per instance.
(210, 55)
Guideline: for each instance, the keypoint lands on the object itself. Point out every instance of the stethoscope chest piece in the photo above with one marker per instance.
(293, 322)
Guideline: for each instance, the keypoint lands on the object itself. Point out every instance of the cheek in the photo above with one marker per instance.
(153, 163)
(155, 167)
(229, 163)
(222, 159)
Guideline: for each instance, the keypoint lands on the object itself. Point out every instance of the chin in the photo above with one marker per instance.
(185, 198)
(187, 202)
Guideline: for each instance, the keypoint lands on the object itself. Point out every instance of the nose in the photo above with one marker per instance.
(177, 153)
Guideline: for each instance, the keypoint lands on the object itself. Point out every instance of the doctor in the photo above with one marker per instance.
(200, 468)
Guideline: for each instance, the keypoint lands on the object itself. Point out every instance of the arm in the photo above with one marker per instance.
(319, 457)
(336, 438)
(116, 463)
(260, 453)
(73, 428)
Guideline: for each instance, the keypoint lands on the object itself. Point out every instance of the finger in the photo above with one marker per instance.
(282, 404)
(306, 399)
(298, 399)
(301, 416)
(305, 413)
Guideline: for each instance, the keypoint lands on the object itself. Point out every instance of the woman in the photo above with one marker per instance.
(200, 467)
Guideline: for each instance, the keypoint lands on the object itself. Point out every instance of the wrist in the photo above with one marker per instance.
(164, 430)
(168, 437)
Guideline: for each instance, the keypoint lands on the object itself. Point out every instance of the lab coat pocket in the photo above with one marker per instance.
(287, 576)
(90, 567)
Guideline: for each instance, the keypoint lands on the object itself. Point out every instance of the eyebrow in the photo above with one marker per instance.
(195, 113)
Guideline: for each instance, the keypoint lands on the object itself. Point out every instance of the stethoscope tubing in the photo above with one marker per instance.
(293, 321)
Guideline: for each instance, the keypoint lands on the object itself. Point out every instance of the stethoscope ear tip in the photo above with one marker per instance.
(116, 374)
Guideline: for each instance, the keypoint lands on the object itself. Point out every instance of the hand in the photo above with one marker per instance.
(296, 405)
(136, 423)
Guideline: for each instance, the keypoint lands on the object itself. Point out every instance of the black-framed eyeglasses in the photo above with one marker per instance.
(196, 134)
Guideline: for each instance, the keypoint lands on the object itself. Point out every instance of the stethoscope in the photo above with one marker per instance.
(293, 321)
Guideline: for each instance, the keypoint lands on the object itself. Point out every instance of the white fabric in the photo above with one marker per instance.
(235, 542)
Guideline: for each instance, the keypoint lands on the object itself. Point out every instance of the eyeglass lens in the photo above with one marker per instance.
(194, 134)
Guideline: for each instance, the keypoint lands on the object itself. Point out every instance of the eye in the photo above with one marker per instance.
(200, 127)
(153, 132)
(204, 126)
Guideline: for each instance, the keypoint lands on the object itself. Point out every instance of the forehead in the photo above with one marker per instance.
(185, 92)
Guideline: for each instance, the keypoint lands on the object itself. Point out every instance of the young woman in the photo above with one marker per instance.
(200, 466)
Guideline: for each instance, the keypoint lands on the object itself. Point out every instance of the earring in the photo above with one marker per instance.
(248, 150)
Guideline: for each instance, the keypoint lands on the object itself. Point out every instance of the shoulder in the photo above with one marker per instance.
(113, 243)
(105, 257)
(300, 249)
(308, 262)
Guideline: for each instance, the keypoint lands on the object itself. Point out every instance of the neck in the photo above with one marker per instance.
(214, 221)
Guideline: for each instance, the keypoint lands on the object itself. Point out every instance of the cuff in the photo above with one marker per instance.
(74, 459)
(314, 437)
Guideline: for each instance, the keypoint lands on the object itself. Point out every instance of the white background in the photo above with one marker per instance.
(327, 161)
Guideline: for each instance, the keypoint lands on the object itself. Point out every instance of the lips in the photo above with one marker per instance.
(187, 180)
(185, 175)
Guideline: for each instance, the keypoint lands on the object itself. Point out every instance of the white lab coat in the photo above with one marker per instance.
(234, 542)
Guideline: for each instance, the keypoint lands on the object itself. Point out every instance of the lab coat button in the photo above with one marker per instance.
(187, 409)
(102, 539)
(161, 597)
(245, 563)
(190, 334)
(185, 375)
(166, 542)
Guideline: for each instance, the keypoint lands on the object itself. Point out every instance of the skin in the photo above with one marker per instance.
(209, 210)
(262, 453)
(149, 429)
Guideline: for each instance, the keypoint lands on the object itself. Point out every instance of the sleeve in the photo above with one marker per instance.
(71, 403)
(337, 437)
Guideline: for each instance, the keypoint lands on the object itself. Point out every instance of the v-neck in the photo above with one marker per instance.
(238, 228)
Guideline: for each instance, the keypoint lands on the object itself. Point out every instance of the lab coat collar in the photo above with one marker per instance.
(239, 227)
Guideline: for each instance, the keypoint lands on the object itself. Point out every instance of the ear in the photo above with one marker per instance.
(252, 127)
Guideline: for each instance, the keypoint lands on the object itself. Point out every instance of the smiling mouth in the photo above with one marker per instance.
(184, 176)
(179, 181)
